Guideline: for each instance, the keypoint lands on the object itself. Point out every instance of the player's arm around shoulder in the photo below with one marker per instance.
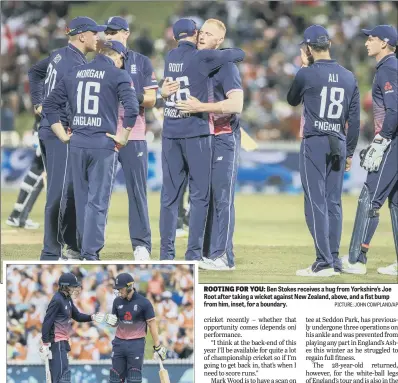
(211, 59)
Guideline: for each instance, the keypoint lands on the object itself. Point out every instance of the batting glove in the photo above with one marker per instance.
(45, 352)
(161, 351)
(373, 156)
(111, 319)
(98, 317)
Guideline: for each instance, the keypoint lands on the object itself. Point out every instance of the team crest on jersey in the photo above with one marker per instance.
(388, 87)
(57, 58)
(133, 68)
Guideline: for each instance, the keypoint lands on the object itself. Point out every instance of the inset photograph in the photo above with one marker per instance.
(100, 323)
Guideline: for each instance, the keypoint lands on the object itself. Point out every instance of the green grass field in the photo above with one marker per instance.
(271, 239)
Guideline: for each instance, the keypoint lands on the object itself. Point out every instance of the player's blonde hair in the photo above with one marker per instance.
(218, 23)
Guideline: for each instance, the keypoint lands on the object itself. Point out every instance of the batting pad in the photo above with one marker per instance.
(134, 376)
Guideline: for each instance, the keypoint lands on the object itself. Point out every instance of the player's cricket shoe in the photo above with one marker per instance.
(29, 224)
(321, 273)
(72, 254)
(219, 264)
(353, 268)
(141, 253)
(181, 233)
(389, 270)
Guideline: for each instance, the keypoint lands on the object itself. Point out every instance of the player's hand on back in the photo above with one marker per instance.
(169, 87)
(120, 141)
(191, 105)
(161, 351)
(45, 352)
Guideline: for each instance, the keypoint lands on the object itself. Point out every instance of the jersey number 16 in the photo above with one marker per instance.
(89, 88)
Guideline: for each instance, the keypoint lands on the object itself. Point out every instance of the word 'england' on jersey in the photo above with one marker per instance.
(87, 121)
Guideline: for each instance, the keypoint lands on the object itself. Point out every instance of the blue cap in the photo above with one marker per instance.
(68, 279)
(183, 28)
(117, 46)
(123, 280)
(117, 23)
(386, 33)
(315, 34)
(83, 24)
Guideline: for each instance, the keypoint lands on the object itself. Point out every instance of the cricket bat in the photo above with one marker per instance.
(163, 374)
(48, 373)
(247, 142)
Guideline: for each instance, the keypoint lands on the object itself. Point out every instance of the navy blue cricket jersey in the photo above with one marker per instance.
(57, 324)
(385, 97)
(132, 316)
(225, 81)
(93, 91)
(192, 67)
(143, 77)
(330, 96)
(44, 76)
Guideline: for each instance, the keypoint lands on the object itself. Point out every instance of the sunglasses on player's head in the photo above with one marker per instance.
(110, 32)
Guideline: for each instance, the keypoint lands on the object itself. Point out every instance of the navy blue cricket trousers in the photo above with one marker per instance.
(93, 173)
(381, 185)
(59, 221)
(127, 355)
(59, 363)
(221, 218)
(323, 185)
(185, 159)
(134, 160)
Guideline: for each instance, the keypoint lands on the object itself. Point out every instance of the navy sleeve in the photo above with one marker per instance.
(128, 98)
(231, 78)
(212, 59)
(387, 81)
(48, 322)
(353, 122)
(149, 311)
(149, 75)
(114, 310)
(296, 91)
(55, 101)
(37, 74)
(78, 316)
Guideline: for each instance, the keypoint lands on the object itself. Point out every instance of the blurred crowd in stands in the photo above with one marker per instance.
(268, 31)
(30, 289)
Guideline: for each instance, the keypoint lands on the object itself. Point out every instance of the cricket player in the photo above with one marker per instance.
(228, 97)
(330, 98)
(93, 92)
(132, 314)
(381, 157)
(30, 189)
(134, 156)
(57, 327)
(43, 77)
(187, 140)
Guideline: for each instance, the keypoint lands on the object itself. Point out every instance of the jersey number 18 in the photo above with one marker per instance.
(336, 98)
